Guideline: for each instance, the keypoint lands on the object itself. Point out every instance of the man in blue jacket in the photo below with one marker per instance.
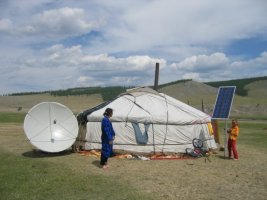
(107, 137)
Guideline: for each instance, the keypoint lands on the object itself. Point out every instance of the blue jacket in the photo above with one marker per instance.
(107, 135)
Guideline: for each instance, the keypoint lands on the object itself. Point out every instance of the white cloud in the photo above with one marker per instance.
(129, 63)
(201, 62)
(191, 75)
(84, 80)
(63, 67)
(184, 23)
(252, 67)
(218, 66)
(60, 23)
(60, 67)
(61, 44)
(53, 24)
(144, 62)
(101, 58)
(5, 25)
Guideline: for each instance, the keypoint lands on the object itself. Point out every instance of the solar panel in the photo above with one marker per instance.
(223, 102)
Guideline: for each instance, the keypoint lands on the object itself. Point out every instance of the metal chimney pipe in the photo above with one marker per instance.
(156, 83)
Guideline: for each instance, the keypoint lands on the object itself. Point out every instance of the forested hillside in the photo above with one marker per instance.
(239, 83)
(108, 93)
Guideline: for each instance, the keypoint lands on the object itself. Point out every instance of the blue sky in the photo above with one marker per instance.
(49, 45)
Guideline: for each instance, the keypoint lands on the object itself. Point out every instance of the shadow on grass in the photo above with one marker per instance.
(41, 154)
(97, 163)
(223, 157)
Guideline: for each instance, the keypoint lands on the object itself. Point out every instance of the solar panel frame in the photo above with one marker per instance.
(224, 102)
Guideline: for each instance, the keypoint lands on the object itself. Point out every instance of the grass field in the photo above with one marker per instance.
(26, 173)
(12, 117)
(12, 104)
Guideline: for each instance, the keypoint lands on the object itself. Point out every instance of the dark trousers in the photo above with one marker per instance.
(103, 160)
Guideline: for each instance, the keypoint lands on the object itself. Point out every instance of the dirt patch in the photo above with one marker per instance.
(165, 179)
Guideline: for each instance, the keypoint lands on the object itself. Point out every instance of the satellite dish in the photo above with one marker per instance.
(51, 127)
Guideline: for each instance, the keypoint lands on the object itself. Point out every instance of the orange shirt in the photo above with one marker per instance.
(210, 128)
(234, 131)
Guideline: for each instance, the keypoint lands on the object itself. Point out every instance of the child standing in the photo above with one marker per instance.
(233, 134)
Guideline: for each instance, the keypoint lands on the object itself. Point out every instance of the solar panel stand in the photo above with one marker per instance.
(225, 139)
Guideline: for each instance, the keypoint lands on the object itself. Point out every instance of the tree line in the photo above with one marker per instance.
(111, 92)
(239, 83)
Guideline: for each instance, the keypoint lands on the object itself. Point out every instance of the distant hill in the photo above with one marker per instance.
(257, 89)
(240, 84)
(190, 92)
(243, 88)
(106, 92)
(250, 98)
(193, 92)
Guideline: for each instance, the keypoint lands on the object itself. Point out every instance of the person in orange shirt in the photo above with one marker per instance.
(233, 134)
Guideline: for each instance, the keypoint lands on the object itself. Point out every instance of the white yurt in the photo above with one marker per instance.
(146, 121)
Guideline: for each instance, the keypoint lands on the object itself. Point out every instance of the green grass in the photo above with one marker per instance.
(253, 134)
(251, 117)
(38, 176)
(12, 117)
(32, 178)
